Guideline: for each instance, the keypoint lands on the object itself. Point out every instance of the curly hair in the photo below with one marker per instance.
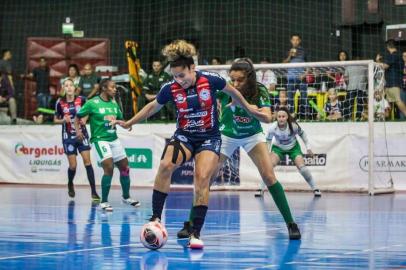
(179, 53)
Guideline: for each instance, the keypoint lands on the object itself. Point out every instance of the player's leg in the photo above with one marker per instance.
(71, 174)
(188, 225)
(175, 154)
(304, 171)
(206, 163)
(84, 150)
(125, 182)
(105, 157)
(259, 155)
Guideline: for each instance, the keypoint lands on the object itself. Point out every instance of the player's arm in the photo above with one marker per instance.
(240, 100)
(83, 113)
(149, 110)
(303, 136)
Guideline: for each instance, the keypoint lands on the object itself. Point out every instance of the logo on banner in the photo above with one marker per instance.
(395, 163)
(40, 158)
(140, 158)
(314, 160)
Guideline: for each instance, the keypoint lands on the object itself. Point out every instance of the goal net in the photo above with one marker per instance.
(354, 146)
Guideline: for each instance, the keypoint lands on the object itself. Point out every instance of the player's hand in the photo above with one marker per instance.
(79, 135)
(66, 118)
(310, 153)
(122, 124)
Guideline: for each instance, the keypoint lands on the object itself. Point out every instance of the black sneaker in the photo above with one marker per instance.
(317, 193)
(186, 231)
(71, 190)
(95, 197)
(294, 233)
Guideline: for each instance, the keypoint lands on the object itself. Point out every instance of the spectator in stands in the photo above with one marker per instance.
(151, 86)
(356, 80)
(295, 76)
(215, 61)
(393, 66)
(381, 107)
(40, 75)
(7, 98)
(74, 75)
(282, 103)
(333, 108)
(89, 82)
(266, 76)
(223, 73)
(338, 75)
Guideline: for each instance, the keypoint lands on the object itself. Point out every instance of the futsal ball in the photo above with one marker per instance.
(153, 235)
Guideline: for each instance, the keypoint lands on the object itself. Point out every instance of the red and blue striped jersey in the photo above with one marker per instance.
(196, 107)
(63, 108)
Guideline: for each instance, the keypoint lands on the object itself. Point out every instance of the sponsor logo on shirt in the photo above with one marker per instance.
(194, 123)
(204, 94)
(242, 119)
(196, 115)
(180, 98)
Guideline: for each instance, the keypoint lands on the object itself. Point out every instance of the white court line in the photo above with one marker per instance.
(120, 246)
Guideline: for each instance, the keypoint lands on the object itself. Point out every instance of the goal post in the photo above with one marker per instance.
(317, 92)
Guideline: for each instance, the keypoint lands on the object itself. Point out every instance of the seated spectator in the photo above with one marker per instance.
(74, 75)
(381, 107)
(89, 82)
(337, 75)
(40, 75)
(282, 103)
(333, 109)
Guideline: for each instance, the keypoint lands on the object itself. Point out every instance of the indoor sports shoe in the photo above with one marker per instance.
(95, 197)
(106, 207)
(195, 242)
(294, 233)
(259, 193)
(186, 231)
(131, 202)
(71, 190)
(317, 193)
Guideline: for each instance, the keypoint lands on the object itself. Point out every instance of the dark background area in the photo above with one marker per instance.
(218, 28)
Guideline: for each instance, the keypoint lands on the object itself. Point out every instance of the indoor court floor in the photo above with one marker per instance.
(41, 228)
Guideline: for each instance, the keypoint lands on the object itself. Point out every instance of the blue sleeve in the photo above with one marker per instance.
(58, 110)
(164, 95)
(216, 81)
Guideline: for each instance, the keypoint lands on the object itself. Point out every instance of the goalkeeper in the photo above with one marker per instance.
(284, 131)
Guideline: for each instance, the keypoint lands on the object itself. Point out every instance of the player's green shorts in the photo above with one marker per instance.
(292, 153)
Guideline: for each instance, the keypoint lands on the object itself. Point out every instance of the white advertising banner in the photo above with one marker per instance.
(34, 154)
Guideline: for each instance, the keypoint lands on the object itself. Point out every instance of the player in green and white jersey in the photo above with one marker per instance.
(101, 111)
(282, 135)
(240, 129)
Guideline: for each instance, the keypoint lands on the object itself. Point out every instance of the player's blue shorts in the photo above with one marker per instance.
(196, 145)
(71, 146)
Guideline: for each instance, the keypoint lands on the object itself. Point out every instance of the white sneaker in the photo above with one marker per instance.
(195, 242)
(106, 207)
(317, 193)
(131, 202)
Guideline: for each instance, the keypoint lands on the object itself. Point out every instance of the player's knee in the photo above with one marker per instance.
(166, 166)
(108, 169)
(125, 171)
(202, 176)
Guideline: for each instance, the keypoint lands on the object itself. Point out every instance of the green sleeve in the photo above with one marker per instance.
(85, 110)
(264, 100)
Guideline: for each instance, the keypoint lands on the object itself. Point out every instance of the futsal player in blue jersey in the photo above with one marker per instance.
(197, 135)
(65, 110)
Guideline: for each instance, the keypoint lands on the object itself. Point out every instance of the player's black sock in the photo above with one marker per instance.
(158, 201)
(199, 217)
(90, 178)
(71, 175)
